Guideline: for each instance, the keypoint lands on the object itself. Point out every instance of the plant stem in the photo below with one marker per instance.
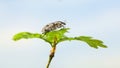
(52, 52)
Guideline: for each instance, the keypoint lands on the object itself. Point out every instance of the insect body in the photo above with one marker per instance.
(53, 26)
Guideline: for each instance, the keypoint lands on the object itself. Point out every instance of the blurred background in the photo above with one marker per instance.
(96, 18)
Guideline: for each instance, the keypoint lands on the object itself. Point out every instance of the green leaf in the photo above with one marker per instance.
(50, 36)
(26, 35)
(89, 40)
(95, 43)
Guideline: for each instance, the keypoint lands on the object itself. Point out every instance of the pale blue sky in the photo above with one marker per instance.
(96, 18)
